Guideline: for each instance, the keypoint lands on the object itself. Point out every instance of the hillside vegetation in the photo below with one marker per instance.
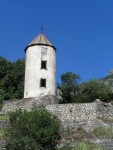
(24, 124)
(109, 80)
(74, 92)
(11, 79)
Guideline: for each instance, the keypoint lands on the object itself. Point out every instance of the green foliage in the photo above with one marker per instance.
(109, 80)
(101, 132)
(82, 146)
(67, 147)
(85, 145)
(11, 78)
(2, 133)
(94, 89)
(35, 130)
(4, 117)
(3, 120)
(1, 98)
(68, 86)
(5, 67)
(72, 92)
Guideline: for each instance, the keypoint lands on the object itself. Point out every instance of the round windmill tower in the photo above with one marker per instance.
(40, 70)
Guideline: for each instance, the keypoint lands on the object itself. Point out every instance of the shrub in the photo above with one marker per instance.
(11, 78)
(86, 145)
(101, 132)
(1, 99)
(2, 133)
(68, 86)
(4, 117)
(94, 89)
(35, 130)
(67, 147)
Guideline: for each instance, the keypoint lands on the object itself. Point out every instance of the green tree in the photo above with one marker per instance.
(1, 98)
(68, 86)
(12, 78)
(5, 67)
(94, 89)
(35, 130)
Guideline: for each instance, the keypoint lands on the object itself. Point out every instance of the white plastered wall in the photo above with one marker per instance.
(33, 71)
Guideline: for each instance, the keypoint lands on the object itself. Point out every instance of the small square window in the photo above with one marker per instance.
(42, 82)
(43, 64)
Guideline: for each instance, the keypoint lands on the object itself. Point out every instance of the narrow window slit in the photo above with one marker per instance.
(42, 82)
(43, 64)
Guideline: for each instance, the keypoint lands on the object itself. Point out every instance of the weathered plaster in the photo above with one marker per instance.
(33, 71)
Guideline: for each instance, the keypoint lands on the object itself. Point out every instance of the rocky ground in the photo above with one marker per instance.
(99, 131)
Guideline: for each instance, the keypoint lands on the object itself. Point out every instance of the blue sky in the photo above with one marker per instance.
(81, 30)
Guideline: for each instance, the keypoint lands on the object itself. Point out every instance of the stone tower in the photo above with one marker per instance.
(40, 70)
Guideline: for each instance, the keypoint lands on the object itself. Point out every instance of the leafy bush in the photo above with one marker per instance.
(83, 145)
(35, 130)
(86, 145)
(12, 78)
(94, 89)
(1, 98)
(72, 92)
(4, 117)
(67, 147)
(101, 132)
(2, 133)
(68, 86)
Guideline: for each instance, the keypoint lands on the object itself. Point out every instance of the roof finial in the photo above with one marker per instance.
(42, 29)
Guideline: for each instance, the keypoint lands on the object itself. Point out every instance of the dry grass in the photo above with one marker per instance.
(107, 120)
(68, 136)
(81, 134)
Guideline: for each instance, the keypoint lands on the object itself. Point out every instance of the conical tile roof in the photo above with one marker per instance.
(41, 39)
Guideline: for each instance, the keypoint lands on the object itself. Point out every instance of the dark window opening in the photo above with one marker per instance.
(42, 82)
(43, 64)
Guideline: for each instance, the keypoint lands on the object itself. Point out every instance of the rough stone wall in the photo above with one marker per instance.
(69, 114)
(86, 115)
(104, 110)
(28, 103)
